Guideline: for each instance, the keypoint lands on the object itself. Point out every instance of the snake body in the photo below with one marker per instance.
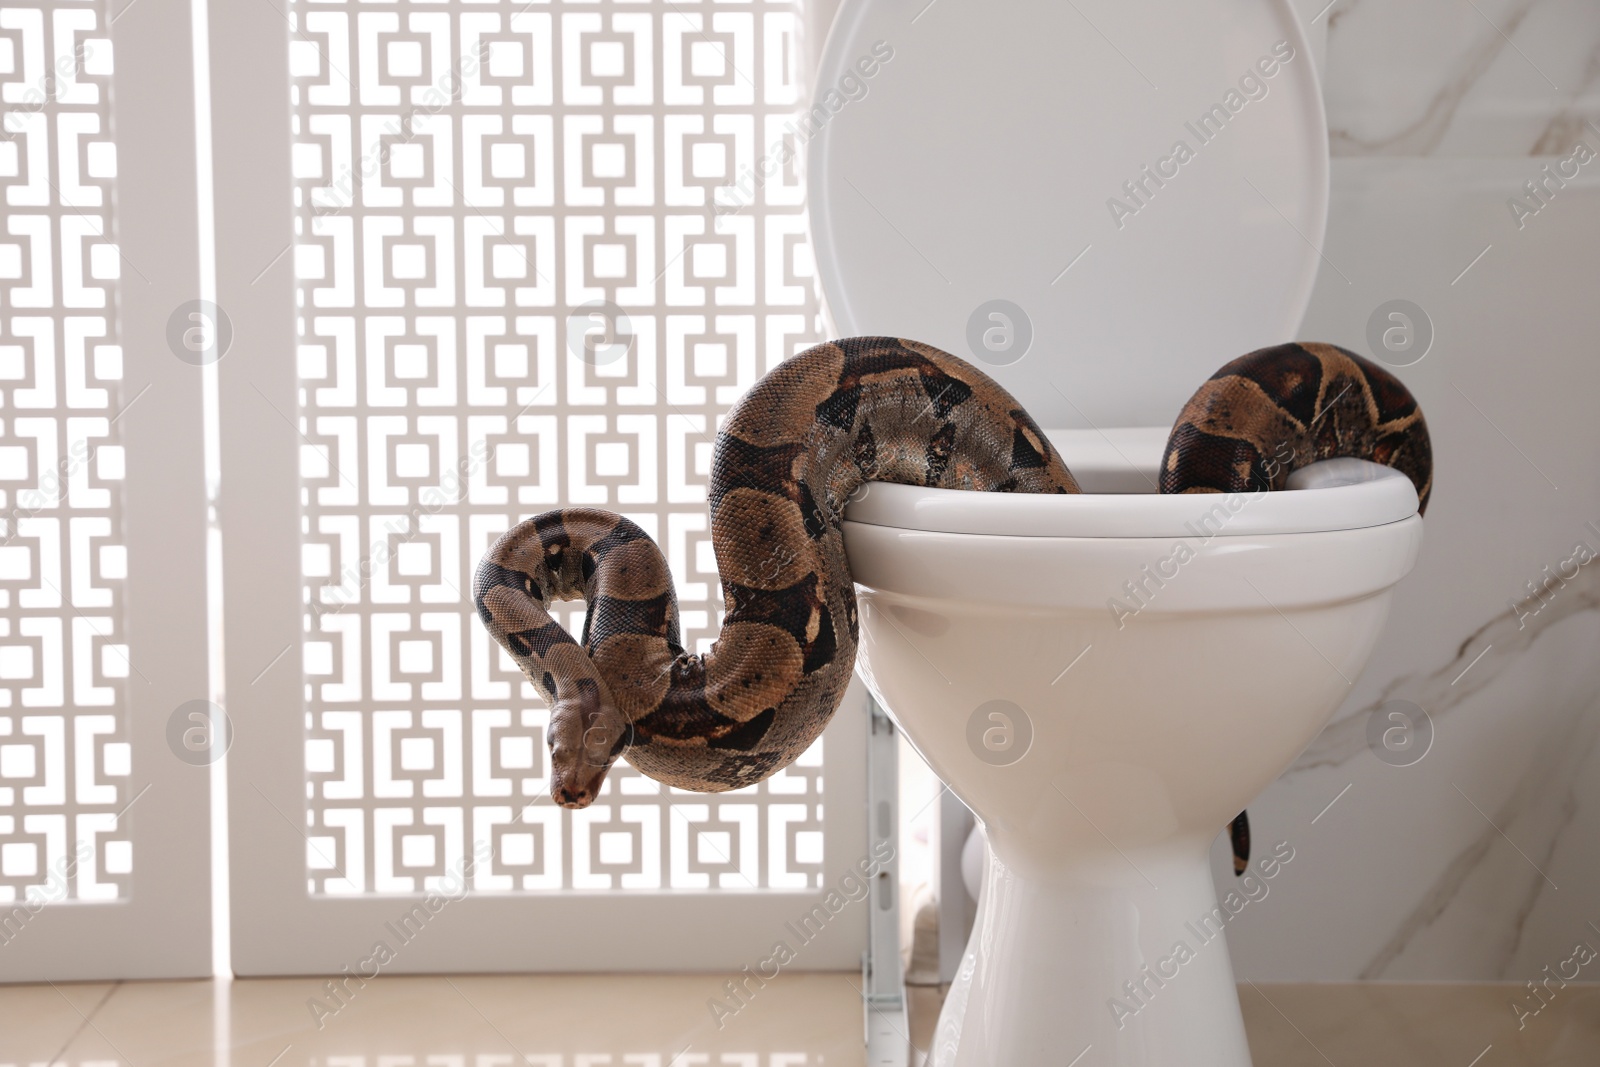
(787, 458)
(1266, 414)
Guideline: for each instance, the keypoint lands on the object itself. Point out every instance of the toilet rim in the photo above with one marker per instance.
(1343, 494)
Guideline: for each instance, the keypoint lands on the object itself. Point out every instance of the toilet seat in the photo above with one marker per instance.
(1117, 469)
(977, 162)
(1382, 496)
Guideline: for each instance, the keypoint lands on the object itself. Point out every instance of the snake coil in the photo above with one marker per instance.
(787, 459)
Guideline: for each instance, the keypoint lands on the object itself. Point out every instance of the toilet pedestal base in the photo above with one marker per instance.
(1093, 965)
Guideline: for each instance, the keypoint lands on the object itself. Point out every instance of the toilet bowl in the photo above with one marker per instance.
(1106, 686)
(1105, 679)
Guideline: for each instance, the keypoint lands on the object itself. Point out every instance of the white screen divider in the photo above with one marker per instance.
(482, 260)
(104, 824)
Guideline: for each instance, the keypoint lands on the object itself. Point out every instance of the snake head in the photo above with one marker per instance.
(586, 733)
(586, 736)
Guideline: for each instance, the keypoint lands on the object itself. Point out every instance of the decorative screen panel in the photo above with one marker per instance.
(64, 750)
(541, 248)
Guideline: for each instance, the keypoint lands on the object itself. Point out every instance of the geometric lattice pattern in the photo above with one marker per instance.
(64, 753)
(540, 250)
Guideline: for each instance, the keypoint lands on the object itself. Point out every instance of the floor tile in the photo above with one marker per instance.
(37, 1021)
(800, 1020)
(1379, 1024)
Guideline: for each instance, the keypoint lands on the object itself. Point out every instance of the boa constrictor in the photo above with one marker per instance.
(787, 459)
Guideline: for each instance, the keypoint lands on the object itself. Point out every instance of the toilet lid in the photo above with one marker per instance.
(967, 170)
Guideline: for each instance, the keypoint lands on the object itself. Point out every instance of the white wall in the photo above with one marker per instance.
(1479, 861)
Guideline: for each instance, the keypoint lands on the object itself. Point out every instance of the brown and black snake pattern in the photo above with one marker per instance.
(787, 458)
(1267, 414)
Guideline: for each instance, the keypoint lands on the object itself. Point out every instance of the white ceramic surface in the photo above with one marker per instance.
(986, 157)
(1128, 739)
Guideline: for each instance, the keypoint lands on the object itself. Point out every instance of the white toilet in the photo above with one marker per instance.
(1105, 679)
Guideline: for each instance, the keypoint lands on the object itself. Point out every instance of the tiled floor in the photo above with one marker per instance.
(1377, 1024)
(663, 1021)
(468, 1021)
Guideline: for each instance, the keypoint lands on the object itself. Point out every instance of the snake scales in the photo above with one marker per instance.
(787, 458)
